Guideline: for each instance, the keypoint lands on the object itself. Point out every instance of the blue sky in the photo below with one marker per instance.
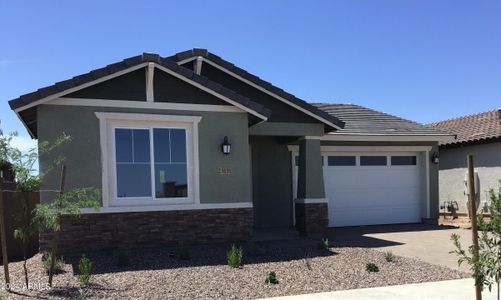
(422, 60)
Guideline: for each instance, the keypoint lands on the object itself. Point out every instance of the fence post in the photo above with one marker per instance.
(474, 229)
(3, 236)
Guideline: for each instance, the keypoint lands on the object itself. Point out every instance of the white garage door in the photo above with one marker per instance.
(372, 188)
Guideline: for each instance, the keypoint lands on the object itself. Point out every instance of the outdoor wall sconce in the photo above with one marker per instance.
(226, 147)
(435, 158)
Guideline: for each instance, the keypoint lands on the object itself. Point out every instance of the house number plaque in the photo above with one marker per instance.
(223, 171)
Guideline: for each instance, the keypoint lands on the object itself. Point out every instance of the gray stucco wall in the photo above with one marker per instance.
(287, 129)
(487, 162)
(83, 154)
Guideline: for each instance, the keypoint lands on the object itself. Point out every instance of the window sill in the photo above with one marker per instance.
(149, 202)
(172, 207)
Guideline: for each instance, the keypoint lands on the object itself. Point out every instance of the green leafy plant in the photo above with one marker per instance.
(487, 268)
(120, 257)
(324, 244)
(84, 270)
(371, 267)
(47, 262)
(271, 278)
(389, 256)
(234, 256)
(184, 252)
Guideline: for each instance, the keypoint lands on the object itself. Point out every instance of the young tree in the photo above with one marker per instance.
(28, 180)
(489, 261)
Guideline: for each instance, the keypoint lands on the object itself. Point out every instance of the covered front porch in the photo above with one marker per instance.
(272, 165)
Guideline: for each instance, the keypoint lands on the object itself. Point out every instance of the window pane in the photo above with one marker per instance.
(123, 145)
(341, 160)
(373, 160)
(161, 142)
(403, 160)
(178, 145)
(133, 180)
(171, 180)
(141, 140)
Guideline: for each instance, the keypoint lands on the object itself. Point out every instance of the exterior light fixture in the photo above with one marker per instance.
(435, 158)
(226, 147)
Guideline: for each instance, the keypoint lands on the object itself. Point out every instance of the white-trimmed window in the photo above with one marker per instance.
(149, 159)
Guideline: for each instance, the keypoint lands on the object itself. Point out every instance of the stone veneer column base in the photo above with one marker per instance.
(311, 217)
(103, 231)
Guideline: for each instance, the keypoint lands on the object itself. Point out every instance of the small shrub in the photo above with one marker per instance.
(324, 244)
(271, 278)
(120, 257)
(389, 256)
(371, 267)
(58, 264)
(84, 270)
(235, 256)
(184, 253)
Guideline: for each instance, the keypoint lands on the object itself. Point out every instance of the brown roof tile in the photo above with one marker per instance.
(471, 128)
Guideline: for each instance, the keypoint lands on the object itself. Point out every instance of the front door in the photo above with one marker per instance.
(271, 183)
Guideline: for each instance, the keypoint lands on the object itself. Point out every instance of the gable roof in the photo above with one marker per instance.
(186, 56)
(24, 105)
(128, 63)
(364, 121)
(472, 128)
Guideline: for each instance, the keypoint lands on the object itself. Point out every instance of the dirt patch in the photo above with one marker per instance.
(301, 267)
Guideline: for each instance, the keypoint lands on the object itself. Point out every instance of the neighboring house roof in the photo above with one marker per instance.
(472, 128)
(368, 122)
(192, 54)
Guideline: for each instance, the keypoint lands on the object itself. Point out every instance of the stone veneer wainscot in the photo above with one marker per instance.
(104, 231)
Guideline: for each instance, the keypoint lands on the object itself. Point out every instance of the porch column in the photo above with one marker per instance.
(311, 204)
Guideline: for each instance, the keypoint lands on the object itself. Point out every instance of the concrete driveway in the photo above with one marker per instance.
(428, 243)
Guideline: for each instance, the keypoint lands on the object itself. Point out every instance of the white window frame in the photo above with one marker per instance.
(110, 121)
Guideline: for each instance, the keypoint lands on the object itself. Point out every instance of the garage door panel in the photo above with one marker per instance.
(371, 196)
(371, 179)
(371, 217)
(408, 190)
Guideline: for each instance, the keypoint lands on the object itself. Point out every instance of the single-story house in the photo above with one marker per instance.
(480, 135)
(191, 148)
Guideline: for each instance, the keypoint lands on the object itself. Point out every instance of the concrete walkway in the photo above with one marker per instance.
(428, 243)
(462, 289)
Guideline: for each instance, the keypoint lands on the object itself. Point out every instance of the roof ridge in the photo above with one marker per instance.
(498, 110)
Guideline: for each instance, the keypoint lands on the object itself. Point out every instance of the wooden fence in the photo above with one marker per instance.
(14, 218)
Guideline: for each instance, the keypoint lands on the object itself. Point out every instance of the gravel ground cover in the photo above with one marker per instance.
(300, 265)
